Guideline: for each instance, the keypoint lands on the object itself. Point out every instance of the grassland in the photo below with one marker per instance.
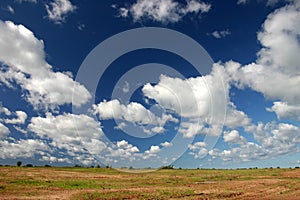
(97, 183)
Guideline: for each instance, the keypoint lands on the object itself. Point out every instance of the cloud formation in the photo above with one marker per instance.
(58, 10)
(220, 34)
(23, 62)
(164, 11)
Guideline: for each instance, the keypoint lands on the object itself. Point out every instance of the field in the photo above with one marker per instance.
(97, 183)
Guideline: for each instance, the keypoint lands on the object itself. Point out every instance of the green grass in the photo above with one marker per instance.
(97, 183)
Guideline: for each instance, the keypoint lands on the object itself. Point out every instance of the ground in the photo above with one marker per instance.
(97, 183)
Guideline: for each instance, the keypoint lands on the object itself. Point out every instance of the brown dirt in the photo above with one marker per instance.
(32, 183)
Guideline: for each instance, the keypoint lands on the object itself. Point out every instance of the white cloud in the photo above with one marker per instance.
(165, 11)
(166, 144)
(10, 9)
(20, 129)
(58, 10)
(285, 111)
(153, 150)
(133, 112)
(23, 58)
(242, 1)
(3, 130)
(197, 145)
(21, 117)
(273, 140)
(69, 131)
(233, 137)
(221, 34)
(126, 87)
(30, 1)
(158, 129)
(198, 100)
(129, 147)
(280, 40)
(4, 110)
(190, 97)
(54, 159)
(22, 148)
(236, 118)
(198, 149)
(268, 2)
(276, 72)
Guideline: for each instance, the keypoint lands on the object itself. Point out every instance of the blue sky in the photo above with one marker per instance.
(149, 107)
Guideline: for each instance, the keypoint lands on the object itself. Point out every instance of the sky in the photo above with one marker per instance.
(150, 83)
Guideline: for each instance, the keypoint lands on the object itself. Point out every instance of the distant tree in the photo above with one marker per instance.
(19, 163)
(130, 167)
(297, 167)
(77, 165)
(278, 167)
(98, 166)
(167, 167)
(29, 165)
(47, 165)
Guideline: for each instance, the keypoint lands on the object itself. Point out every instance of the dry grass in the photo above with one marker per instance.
(81, 183)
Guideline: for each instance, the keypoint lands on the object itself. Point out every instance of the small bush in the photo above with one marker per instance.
(167, 167)
(19, 163)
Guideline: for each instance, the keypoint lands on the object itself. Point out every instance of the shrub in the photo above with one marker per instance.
(19, 163)
(167, 167)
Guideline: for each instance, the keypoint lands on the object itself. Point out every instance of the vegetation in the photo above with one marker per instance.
(19, 163)
(106, 183)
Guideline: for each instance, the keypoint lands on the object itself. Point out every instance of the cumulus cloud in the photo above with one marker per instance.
(3, 130)
(285, 111)
(276, 75)
(69, 131)
(236, 118)
(188, 97)
(165, 11)
(23, 62)
(233, 137)
(166, 144)
(22, 148)
(276, 72)
(280, 40)
(198, 149)
(152, 152)
(21, 117)
(198, 101)
(133, 113)
(4, 110)
(273, 139)
(220, 34)
(59, 9)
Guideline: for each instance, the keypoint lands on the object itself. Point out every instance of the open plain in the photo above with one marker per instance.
(99, 183)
